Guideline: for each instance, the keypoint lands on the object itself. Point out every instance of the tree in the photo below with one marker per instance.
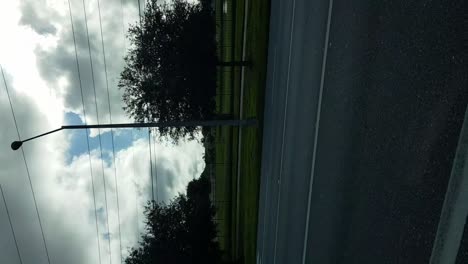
(182, 231)
(170, 71)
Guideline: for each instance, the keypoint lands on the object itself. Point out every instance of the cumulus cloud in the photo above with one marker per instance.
(30, 17)
(60, 61)
(38, 59)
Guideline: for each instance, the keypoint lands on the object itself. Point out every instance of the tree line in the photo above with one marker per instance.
(170, 75)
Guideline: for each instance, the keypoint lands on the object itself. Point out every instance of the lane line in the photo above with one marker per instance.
(317, 124)
(241, 112)
(284, 130)
(453, 217)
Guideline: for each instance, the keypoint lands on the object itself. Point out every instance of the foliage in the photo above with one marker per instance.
(182, 231)
(170, 71)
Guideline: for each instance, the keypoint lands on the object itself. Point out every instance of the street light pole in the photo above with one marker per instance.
(206, 123)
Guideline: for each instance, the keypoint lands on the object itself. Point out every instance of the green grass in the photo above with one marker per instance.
(226, 139)
(255, 80)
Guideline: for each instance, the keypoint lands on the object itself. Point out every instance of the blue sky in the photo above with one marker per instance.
(78, 146)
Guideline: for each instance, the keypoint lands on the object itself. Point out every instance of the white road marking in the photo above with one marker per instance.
(453, 217)
(317, 124)
(284, 128)
(241, 112)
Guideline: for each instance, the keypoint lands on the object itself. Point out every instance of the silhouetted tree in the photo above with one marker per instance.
(182, 231)
(170, 71)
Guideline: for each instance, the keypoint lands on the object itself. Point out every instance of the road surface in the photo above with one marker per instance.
(364, 104)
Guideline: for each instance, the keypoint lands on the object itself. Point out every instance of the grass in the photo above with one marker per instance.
(255, 80)
(226, 139)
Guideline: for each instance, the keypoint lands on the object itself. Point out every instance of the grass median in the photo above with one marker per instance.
(237, 199)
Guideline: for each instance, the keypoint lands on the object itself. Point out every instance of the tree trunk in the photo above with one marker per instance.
(233, 63)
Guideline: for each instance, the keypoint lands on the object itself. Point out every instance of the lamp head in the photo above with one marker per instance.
(16, 145)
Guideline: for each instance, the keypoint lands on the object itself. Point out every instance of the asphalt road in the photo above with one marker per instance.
(364, 104)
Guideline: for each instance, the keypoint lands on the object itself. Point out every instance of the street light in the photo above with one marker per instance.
(207, 123)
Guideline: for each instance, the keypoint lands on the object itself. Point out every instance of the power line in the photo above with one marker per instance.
(112, 131)
(99, 130)
(86, 131)
(26, 166)
(155, 166)
(139, 8)
(149, 130)
(133, 138)
(123, 26)
(11, 225)
(136, 188)
(139, 11)
(151, 165)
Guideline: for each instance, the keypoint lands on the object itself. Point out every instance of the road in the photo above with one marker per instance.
(364, 104)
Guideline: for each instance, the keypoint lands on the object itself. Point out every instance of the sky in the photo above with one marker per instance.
(37, 55)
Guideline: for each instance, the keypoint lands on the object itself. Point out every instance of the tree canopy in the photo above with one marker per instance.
(170, 68)
(182, 231)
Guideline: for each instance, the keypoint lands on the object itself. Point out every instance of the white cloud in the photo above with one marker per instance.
(38, 60)
(60, 60)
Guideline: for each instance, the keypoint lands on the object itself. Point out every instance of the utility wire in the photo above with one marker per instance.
(11, 225)
(149, 130)
(123, 27)
(86, 131)
(155, 165)
(112, 131)
(136, 187)
(26, 166)
(139, 10)
(133, 137)
(99, 130)
(151, 165)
